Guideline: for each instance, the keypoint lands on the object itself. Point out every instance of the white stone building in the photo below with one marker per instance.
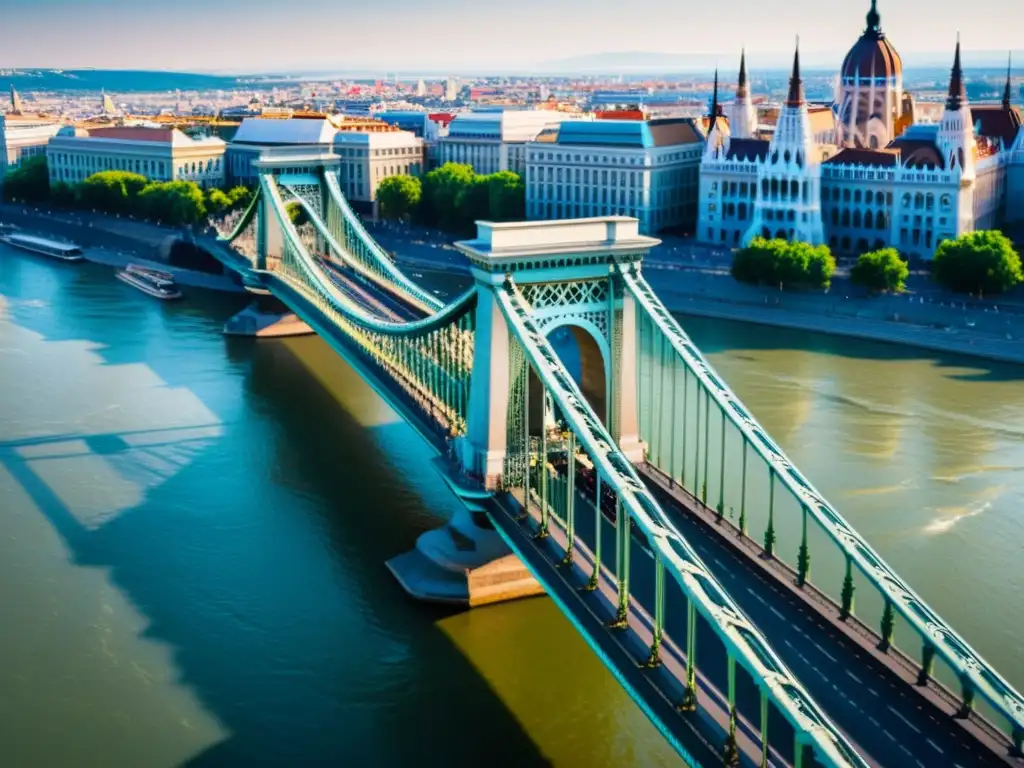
(644, 169)
(493, 141)
(160, 154)
(369, 158)
(885, 182)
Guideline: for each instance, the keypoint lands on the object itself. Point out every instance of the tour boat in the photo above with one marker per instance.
(152, 282)
(51, 248)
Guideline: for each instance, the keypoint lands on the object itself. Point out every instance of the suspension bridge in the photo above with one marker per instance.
(663, 520)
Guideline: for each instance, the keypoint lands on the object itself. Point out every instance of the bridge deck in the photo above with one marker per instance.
(872, 696)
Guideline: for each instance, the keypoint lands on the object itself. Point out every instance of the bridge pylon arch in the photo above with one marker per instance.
(567, 273)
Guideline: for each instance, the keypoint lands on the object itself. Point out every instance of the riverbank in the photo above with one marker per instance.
(116, 242)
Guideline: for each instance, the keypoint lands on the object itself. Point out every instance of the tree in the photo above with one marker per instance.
(441, 188)
(399, 196)
(978, 262)
(507, 196)
(63, 195)
(29, 183)
(112, 191)
(472, 204)
(778, 262)
(239, 196)
(881, 270)
(296, 213)
(217, 202)
(173, 202)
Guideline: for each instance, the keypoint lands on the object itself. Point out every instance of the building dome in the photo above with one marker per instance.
(872, 56)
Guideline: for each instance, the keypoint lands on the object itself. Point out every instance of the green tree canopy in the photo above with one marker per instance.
(399, 196)
(63, 195)
(112, 191)
(239, 196)
(29, 183)
(507, 196)
(778, 262)
(472, 204)
(173, 202)
(881, 270)
(217, 202)
(978, 262)
(296, 213)
(441, 188)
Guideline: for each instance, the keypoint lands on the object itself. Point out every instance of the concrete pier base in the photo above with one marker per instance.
(465, 562)
(461, 564)
(253, 322)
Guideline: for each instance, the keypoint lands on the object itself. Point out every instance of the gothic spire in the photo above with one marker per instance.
(957, 93)
(1007, 93)
(741, 86)
(796, 85)
(714, 104)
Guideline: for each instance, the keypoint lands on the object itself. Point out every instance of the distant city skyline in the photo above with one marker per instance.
(260, 36)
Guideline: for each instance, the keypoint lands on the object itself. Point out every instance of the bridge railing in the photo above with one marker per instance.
(673, 555)
(431, 358)
(696, 428)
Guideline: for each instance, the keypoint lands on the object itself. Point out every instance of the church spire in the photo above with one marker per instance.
(714, 104)
(1007, 93)
(957, 93)
(796, 85)
(741, 85)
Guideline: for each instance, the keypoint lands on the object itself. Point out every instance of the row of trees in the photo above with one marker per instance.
(124, 193)
(453, 197)
(977, 263)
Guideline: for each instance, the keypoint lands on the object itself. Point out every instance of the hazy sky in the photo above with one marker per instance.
(261, 35)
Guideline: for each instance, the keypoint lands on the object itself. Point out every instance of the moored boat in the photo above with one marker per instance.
(152, 282)
(51, 248)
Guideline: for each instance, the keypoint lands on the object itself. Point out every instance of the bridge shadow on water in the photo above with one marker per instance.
(273, 594)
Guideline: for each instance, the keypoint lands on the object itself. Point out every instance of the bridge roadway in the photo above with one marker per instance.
(891, 721)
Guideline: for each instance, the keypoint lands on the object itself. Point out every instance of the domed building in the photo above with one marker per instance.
(872, 108)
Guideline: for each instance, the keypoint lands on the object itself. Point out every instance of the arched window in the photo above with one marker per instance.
(764, 187)
(857, 197)
(906, 200)
(794, 190)
(846, 195)
(869, 197)
(846, 243)
(930, 201)
(918, 201)
(775, 187)
(835, 217)
(765, 233)
(743, 210)
(856, 219)
(869, 220)
(846, 218)
(882, 221)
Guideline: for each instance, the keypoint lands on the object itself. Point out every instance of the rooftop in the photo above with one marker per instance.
(629, 133)
(256, 130)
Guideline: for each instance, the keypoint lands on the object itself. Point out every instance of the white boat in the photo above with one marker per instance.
(51, 248)
(152, 282)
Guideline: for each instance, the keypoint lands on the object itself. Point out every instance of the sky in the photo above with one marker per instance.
(467, 35)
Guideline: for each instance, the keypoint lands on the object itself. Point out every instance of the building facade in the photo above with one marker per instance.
(22, 138)
(369, 158)
(876, 179)
(648, 170)
(160, 154)
(493, 141)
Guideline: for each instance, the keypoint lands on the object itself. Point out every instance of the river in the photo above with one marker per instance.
(193, 532)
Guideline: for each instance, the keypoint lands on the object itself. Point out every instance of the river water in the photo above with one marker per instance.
(193, 532)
